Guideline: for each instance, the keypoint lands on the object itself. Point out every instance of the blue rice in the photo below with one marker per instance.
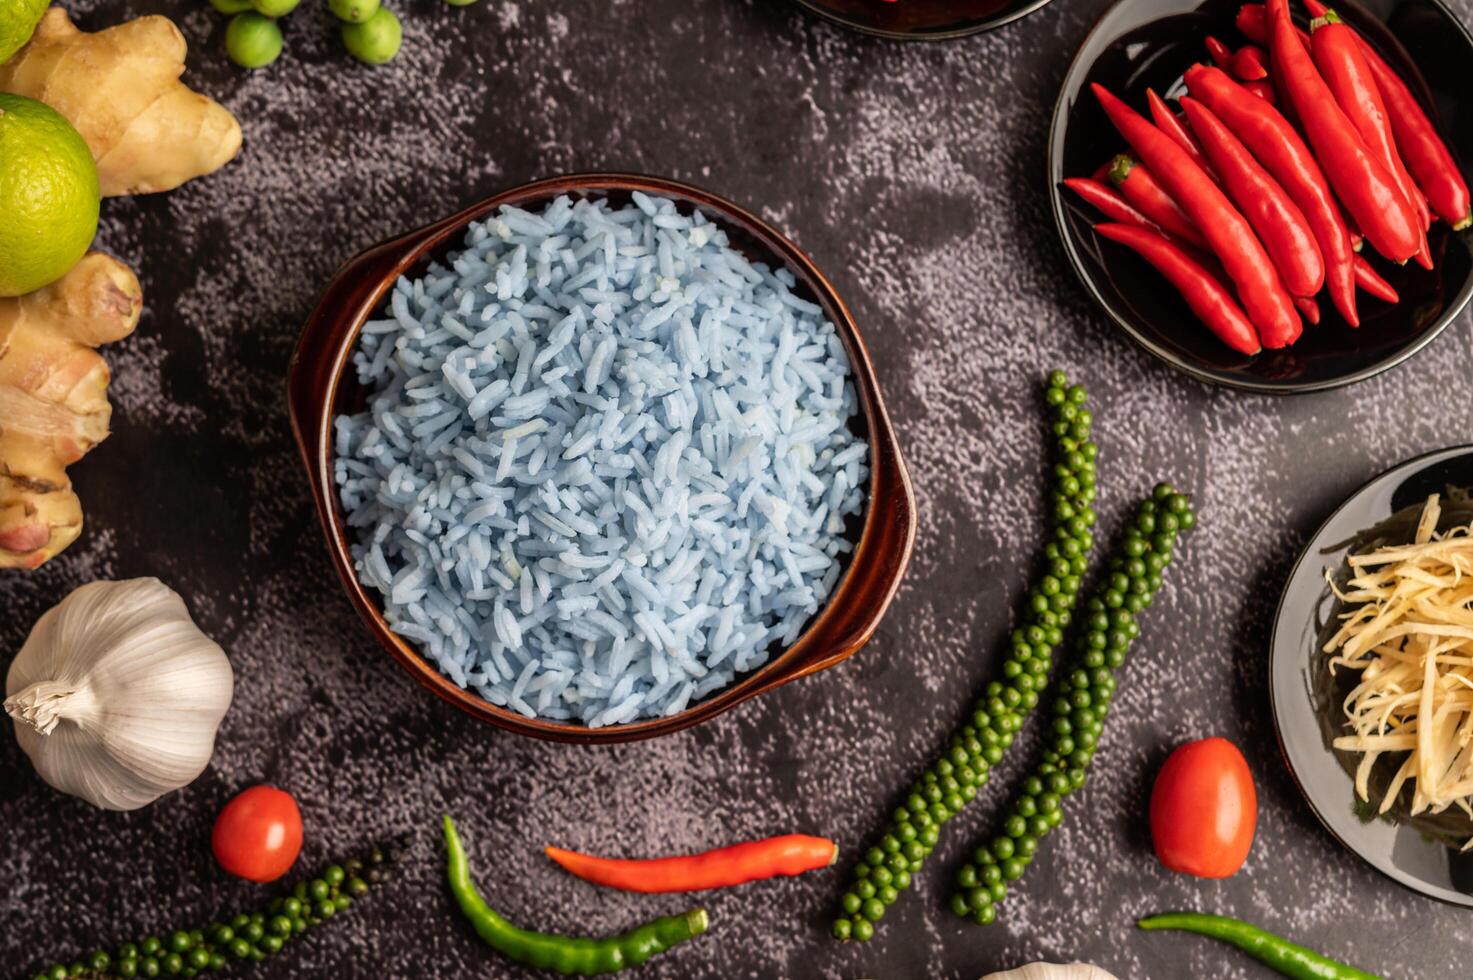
(606, 462)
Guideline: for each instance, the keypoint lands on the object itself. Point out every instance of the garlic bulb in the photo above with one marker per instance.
(1053, 971)
(116, 695)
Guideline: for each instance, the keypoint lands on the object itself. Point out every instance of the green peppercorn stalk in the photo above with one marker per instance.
(953, 780)
(248, 937)
(1081, 701)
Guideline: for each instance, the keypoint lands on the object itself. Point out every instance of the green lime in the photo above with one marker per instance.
(353, 11)
(18, 20)
(48, 195)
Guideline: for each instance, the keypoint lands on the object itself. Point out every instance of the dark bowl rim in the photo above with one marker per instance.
(896, 522)
(1057, 127)
(1415, 463)
(981, 27)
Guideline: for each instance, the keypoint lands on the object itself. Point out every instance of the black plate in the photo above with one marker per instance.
(1307, 704)
(922, 20)
(1142, 44)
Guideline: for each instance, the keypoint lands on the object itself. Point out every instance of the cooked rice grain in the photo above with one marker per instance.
(606, 463)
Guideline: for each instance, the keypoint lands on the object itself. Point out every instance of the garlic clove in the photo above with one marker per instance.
(1053, 971)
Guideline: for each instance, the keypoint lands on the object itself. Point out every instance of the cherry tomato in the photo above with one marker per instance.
(1204, 809)
(258, 835)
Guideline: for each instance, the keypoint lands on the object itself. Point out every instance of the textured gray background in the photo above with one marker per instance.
(913, 175)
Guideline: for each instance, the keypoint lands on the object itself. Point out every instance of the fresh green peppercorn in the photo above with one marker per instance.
(252, 41)
(954, 778)
(173, 964)
(274, 8)
(376, 40)
(843, 929)
(1128, 587)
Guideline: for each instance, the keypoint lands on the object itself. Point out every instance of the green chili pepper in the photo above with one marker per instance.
(1290, 959)
(562, 954)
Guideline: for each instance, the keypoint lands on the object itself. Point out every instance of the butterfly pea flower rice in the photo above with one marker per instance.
(606, 462)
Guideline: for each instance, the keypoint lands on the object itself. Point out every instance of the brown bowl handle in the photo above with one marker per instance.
(328, 340)
(853, 612)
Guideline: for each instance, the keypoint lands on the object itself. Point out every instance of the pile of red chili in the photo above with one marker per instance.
(1253, 217)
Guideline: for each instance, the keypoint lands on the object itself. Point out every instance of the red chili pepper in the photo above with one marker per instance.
(1107, 201)
(1102, 172)
(1264, 91)
(1252, 20)
(1343, 67)
(1426, 155)
(1145, 193)
(790, 854)
(1370, 281)
(1276, 145)
(1308, 308)
(1316, 9)
(1248, 64)
(1366, 189)
(1222, 55)
(1207, 297)
(1280, 225)
(1167, 122)
(1227, 232)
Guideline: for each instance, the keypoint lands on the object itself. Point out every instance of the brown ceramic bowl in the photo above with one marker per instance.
(320, 387)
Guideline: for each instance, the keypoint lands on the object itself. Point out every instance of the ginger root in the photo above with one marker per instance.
(53, 400)
(120, 88)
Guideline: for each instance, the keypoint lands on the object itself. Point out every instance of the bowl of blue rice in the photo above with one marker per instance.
(601, 457)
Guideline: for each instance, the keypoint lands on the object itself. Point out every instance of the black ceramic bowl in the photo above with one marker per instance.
(1420, 852)
(922, 20)
(1142, 44)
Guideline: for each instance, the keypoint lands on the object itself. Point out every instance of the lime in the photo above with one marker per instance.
(48, 195)
(18, 20)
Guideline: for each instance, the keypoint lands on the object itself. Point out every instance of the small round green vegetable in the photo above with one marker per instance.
(231, 7)
(376, 40)
(274, 8)
(353, 11)
(460, 3)
(252, 41)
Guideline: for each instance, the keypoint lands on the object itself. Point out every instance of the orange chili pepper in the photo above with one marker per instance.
(789, 854)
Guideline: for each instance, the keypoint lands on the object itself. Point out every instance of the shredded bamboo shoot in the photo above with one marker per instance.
(1408, 630)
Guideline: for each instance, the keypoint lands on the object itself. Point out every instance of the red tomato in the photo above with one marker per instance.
(1204, 809)
(259, 834)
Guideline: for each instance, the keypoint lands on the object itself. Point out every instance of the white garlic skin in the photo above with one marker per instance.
(117, 695)
(1053, 971)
